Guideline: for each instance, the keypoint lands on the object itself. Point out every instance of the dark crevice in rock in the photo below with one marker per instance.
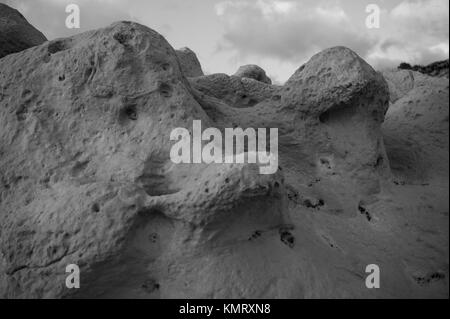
(128, 112)
(365, 212)
(429, 278)
(57, 46)
(287, 238)
(165, 90)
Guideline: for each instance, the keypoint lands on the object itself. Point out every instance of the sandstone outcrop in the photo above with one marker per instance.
(86, 179)
(416, 126)
(190, 65)
(16, 34)
(331, 108)
(255, 72)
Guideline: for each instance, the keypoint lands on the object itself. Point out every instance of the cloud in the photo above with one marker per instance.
(49, 16)
(414, 32)
(429, 17)
(287, 30)
(290, 31)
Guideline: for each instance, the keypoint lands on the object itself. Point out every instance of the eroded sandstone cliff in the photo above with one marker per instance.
(86, 178)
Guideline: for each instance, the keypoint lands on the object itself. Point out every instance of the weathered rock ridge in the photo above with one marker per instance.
(253, 72)
(86, 179)
(416, 127)
(16, 34)
(189, 63)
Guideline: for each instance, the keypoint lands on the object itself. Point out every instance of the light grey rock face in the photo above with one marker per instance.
(416, 127)
(190, 65)
(86, 179)
(92, 180)
(255, 72)
(346, 101)
(16, 34)
(400, 83)
(331, 109)
(235, 91)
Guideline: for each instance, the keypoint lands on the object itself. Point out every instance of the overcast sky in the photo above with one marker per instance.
(278, 35)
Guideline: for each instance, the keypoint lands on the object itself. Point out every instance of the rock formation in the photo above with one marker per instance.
(86, 179)
(16, 34)
(190, 65)
(416, 127)
(253, 72)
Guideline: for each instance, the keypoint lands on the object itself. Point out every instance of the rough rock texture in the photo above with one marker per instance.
(416, 135)
(16, 34)
(190, 65)
(253, 72)
(416, 127)
(86, 178)
(236, 92)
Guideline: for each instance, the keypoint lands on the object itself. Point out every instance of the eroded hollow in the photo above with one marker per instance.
(128, 112)
(57, 46)
(133, 272)
(155, 178)
(165, 90)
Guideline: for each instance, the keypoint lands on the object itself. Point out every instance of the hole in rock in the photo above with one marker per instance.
(27, 94)
(365, 212)
(150, 285)
(276, 98)
(95, 208)
(88, 72)
(155, 179)
(129, 112)
(325, 162)
(307, 203)
(256, 234)
(429, 278)
(165, 66)
(165, 89)
(153, 237)
(56, 46)
(123, 38)
(287, 238)
(324, 117)
(21, 112)
(380, 161)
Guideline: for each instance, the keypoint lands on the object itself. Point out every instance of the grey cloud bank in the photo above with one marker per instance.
(293, 30)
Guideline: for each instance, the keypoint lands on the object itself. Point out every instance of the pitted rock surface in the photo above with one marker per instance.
(86, 179)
